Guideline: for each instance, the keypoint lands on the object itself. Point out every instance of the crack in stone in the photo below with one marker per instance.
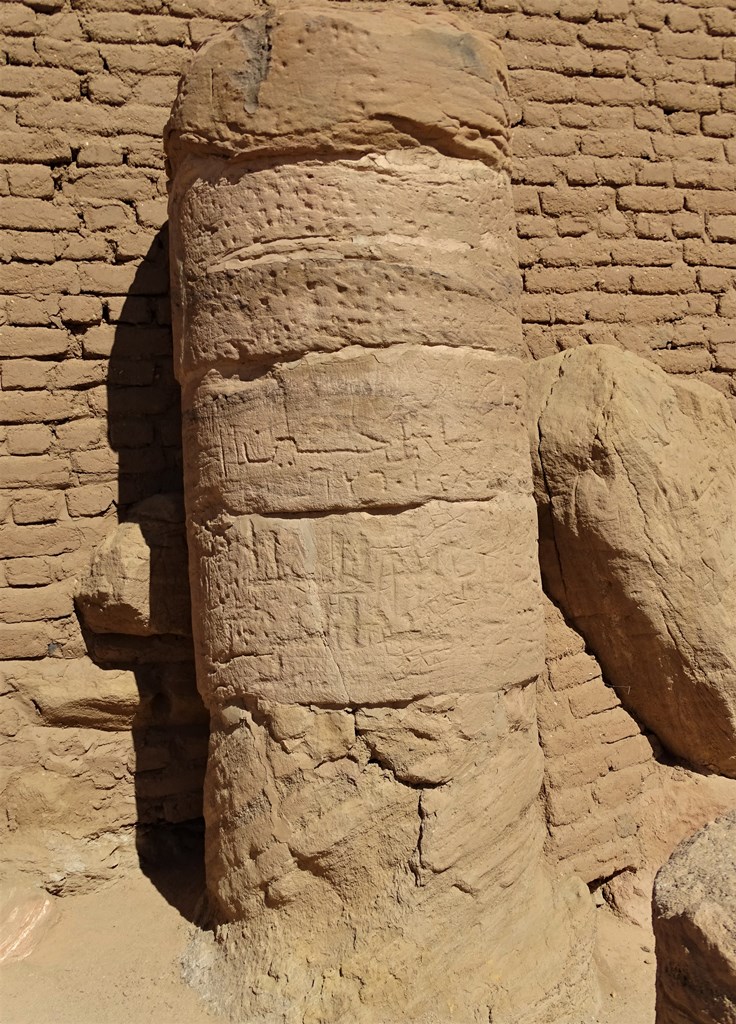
(315, 247)
(204, 516)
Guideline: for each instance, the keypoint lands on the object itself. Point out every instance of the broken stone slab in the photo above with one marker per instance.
(78, 693)
(694, 916)
(137, 583)
(635, 480)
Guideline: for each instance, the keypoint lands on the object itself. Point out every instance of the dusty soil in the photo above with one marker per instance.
(625, 958)
(113, 958)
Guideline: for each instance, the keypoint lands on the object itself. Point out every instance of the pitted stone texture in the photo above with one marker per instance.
(694, 914)
(280, 259)
(138, 584)
(367, 612)
(338, 137)
(276, 85)
(636, 485)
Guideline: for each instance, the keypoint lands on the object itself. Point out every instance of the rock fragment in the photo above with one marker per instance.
(635, 479)
(138, 583)
(694, 914)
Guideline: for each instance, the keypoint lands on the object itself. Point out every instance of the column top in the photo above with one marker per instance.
(305, 79)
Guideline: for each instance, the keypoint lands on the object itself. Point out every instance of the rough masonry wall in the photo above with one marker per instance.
(625, 177)
(616, 804)
(625, 113)
(597, 760)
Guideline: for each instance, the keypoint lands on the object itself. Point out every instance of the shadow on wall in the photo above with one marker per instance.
(170, 730)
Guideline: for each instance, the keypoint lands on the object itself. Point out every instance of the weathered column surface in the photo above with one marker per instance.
(362, 530)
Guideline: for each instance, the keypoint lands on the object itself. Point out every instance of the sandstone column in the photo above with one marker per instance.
(362, 531)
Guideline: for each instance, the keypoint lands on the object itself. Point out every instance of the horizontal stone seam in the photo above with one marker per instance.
(230, 369)
(375, 510)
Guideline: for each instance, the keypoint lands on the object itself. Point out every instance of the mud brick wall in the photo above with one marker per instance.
(597, 760)
(626, 177)
(625, 114)
(616, 804)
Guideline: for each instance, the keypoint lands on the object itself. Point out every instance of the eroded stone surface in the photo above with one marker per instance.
(694, 914)
(296, 77)
(314, 213)
(598, 762)
(137, 584)
(367, 614)
(636, 485)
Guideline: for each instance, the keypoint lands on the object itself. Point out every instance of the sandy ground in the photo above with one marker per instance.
(625, 957)
(113, 958)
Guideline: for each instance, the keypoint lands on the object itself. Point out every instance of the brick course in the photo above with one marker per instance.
(598, 762)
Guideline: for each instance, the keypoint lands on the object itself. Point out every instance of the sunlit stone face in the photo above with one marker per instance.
(361, 528)
(354, 429)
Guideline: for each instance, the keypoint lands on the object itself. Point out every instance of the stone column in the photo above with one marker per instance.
(362, 531)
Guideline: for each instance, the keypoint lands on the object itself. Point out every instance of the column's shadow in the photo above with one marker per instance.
(170, 730)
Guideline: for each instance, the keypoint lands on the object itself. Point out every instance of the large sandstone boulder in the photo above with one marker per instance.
(367, 611)
(694, 915)
(635, 478)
